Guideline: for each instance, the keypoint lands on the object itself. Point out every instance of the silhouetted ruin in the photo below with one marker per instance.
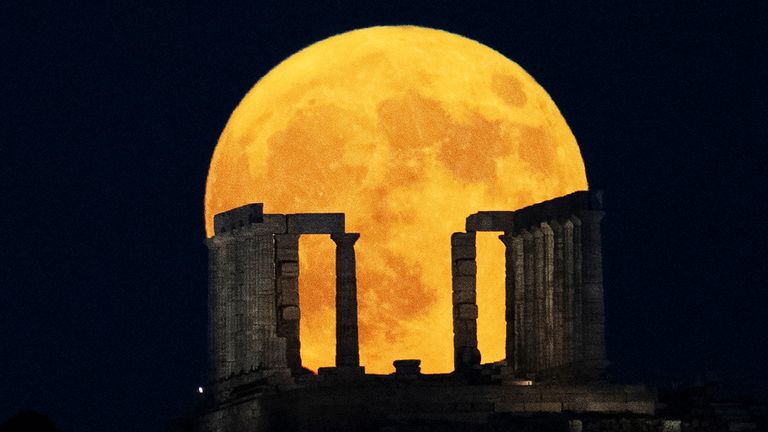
(555, 345)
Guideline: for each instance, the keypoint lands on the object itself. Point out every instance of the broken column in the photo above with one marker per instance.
(464, 271)
(347, 350)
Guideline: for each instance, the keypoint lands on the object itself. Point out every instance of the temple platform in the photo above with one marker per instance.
(355, 401)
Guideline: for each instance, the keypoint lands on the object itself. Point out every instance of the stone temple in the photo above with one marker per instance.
(555, 336)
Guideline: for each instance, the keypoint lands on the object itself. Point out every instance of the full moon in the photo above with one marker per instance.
(406, 130)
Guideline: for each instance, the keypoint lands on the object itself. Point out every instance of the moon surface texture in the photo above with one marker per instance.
(407, 130)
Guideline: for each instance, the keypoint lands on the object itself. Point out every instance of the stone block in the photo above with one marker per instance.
(617, 395)
(288, 283)
(288, 298)
(509, 406)
(465, 339)
(641, 407)
(463, 252)
(277, 222)
(289, 269)
(463, 239)
(543, 407)
(465, 311)
(564, 397)
(287, 241)
(285, 254)
(315, 223)
(238, 217)
(490, 221)
(464, 296)
(466, 356)
(606, 407)
(579, 405)
(464, 283)
(465, 326)
(291, 313)
(465, 267)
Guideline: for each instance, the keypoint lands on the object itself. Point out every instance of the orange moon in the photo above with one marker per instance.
(407, 130)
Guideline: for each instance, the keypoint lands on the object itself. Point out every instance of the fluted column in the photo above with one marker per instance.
(514, 286)
(347, 344)
(569, 298)
(529, 319)
(539, 296)
(287, 286)
(578, 306)
(592, 294)
(226, 294)
(558, 299)
(464, 273)
(261, 347)
(549, 295)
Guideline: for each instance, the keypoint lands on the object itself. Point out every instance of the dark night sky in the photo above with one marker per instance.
(111, 113)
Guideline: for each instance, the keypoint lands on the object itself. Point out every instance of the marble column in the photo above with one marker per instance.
(261, 347)
(287, 287)
(347, 344)
(558, 299)
(226, 289)
(514, 286)
(539, 297)
(529, 320)
(549, 294)
(592, 294)
(568, 291)
(464, 274)
(578, 316)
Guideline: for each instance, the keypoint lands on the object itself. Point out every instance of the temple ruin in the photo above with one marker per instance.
(554, 288)
(555, 337)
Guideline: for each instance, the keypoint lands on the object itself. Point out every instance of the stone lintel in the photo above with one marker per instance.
(490, 221)
(238, 217)
(315, 223)
(561, 207)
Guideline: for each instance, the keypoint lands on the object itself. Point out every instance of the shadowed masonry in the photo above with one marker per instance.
(554, 288)
(555, 347)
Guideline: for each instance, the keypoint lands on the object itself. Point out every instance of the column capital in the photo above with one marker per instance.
(507, 239)
(345, 239)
